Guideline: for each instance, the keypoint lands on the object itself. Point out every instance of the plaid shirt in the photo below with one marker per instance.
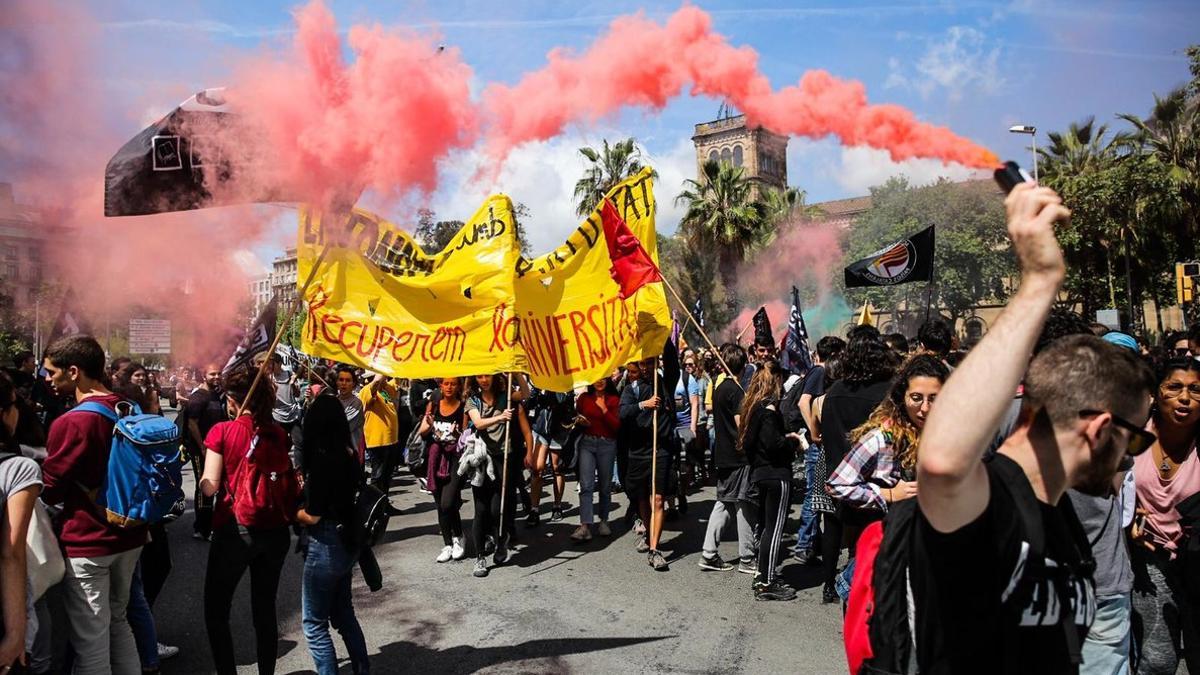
(869, 468)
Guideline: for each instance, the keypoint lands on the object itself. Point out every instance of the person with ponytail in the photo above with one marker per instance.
(260, 546)
(770, 452)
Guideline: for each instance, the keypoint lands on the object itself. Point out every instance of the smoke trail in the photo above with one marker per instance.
(641, 63)
(332, 129)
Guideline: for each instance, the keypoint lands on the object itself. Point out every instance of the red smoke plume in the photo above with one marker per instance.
(332, 129)
(641, 63)
(55, 137)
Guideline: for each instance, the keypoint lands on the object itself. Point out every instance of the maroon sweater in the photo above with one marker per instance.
(77, 460)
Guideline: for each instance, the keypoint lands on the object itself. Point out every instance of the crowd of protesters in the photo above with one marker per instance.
(943, 444)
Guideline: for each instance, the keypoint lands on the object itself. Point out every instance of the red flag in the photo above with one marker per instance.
(632, 267)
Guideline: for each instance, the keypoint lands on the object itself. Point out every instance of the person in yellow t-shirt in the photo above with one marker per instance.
(381, 428)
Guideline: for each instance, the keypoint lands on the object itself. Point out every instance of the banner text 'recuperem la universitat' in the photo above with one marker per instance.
(380, 302)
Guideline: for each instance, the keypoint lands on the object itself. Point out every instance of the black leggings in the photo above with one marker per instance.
(156, 562)
(846, 526)
(487, 503)
(448, 499)
(229, 555)
(774, 500)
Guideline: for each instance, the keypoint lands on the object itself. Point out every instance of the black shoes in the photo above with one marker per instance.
(533, 519)
(501, 555)
(776, 590)
(715, 564)
(806, 557)
(829, 595)
(556, 514)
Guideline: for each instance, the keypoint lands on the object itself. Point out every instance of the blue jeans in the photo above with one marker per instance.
(326, 599)
(141, 621)
(1109, 643)
(806, 538)
(596, 455)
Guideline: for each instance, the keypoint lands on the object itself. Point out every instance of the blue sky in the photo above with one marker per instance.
(977, 67)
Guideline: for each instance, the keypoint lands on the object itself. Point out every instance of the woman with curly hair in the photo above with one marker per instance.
(881, 467)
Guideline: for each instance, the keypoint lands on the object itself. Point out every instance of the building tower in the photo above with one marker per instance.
(762, 153)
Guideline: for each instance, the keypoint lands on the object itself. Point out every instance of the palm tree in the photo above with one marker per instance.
(722, 216)
(609, 166)
(1172, 135)
(782, 205)
(1081, 148)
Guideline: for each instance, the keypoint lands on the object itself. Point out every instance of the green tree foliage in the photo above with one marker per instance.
(607, 167)
(722, 217)
(972, 265)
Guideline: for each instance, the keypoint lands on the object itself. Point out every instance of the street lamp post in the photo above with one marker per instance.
(1032, 132)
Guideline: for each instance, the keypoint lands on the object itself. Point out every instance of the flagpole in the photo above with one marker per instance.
(703, 334)
(312, 274)
(654, 453)
(507, 445)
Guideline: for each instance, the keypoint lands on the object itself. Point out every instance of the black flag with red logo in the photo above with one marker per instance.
(899, 263)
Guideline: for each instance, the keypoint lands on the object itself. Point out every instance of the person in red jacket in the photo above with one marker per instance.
(599, 411)
(100, 557)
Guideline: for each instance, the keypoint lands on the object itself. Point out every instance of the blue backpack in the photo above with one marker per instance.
(145, 465)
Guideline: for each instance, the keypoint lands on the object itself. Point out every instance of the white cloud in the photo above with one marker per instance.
(958, 62)
(542, 176)
(249, 262)
(863, 168)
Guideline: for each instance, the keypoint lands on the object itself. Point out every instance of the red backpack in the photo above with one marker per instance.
(264, 488)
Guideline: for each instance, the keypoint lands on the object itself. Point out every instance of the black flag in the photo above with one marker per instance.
(698, 312)
(795, 356)
(899, 263)
(70, 321)
(762, 328)
(257, 339)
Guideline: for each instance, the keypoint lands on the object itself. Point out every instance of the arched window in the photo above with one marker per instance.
(726, 156)
(737, 155)
(714, 156)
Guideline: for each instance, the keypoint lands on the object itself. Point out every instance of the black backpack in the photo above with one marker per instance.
(891, 634)
(789, 406)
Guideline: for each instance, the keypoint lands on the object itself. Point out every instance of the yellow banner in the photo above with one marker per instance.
(379, 302)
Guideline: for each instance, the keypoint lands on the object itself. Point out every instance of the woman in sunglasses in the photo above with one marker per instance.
(1165, 475)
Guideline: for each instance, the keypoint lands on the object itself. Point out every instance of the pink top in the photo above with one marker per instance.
(1159, 496)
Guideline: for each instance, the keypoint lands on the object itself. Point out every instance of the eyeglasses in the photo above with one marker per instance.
(689, 365)
(1176, 389)
(1182, 351)
(1140, 440)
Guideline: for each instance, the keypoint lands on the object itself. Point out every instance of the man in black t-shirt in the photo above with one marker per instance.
(983, 603)
(205, 408)
(733, 473)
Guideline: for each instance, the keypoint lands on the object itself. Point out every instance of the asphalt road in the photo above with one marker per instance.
(556, 607)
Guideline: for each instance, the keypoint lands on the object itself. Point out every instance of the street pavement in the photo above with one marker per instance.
(556, 607)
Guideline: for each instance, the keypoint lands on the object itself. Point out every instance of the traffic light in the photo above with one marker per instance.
(1185, 274)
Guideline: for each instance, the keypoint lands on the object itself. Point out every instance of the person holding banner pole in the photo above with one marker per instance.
(312, 275)
(651, 441)
(490, 413)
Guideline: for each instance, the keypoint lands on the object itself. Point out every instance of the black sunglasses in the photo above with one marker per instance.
(1140, 440)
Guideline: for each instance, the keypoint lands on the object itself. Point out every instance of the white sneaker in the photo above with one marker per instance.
(167, 651)
(444, 556)
(582, 533)
(603, 530)
(457, 551)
